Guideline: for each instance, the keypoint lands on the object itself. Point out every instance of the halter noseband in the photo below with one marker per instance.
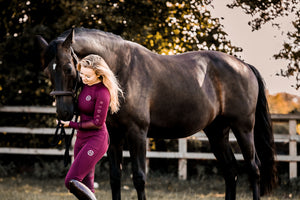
(62, 93)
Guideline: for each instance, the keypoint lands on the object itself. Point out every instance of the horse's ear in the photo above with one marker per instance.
(42, 42)
(69, 40)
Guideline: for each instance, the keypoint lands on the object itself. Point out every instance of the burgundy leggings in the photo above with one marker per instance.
(87, 152)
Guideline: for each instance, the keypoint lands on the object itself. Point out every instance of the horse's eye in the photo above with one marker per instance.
(47, 72)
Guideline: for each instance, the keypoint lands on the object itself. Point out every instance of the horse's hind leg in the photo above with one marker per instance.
(218, 135)
(115, 155)
(243, 131)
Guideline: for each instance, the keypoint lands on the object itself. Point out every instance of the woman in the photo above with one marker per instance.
(100, 91)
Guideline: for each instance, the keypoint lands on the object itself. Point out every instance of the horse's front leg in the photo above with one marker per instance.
(137, 146)
(115, 155)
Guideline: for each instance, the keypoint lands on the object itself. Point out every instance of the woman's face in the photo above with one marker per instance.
(88, 76)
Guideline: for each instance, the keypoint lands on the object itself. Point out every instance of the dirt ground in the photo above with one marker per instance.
(158, 188)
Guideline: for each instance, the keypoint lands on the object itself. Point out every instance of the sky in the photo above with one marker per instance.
(258, 46)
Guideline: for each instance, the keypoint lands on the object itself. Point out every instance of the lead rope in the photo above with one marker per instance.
(58, 137)
(68, 143)
(62, 135)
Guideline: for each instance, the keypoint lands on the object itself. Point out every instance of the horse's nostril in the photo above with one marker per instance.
(67, 115)
(64, 115)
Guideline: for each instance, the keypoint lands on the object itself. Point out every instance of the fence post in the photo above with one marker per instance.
(292, 148)
(182, 162)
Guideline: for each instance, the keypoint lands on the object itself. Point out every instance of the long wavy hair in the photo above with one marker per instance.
(102, 70)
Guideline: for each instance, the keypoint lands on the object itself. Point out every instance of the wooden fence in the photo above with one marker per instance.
(182, 154)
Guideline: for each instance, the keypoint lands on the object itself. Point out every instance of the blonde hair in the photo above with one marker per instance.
(105, 74)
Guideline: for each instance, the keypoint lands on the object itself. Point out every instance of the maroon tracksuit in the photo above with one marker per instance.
(92, 137)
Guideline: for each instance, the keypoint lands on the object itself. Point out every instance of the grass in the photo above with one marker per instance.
(158, 188)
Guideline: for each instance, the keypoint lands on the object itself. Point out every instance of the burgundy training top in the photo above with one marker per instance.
(93, 103)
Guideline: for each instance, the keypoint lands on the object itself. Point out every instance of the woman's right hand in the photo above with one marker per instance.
(65, 123)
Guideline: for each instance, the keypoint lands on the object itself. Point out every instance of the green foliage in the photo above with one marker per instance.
(7, 169)
(54, 169)
(163, 26)
(40, 168)
(21, 79)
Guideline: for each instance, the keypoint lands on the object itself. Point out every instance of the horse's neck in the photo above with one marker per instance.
(111, 51)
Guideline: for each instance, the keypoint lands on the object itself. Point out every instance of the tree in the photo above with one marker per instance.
(265, 11)
(167, 27)
(291, 52)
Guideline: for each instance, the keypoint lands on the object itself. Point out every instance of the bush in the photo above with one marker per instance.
(6, 170)
(54, 169)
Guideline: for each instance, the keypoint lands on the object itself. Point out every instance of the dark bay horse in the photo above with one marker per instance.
(171, 97)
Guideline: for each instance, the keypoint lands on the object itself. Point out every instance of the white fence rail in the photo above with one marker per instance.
(182, 154)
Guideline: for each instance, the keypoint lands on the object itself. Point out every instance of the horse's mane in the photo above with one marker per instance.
(81, 30)
(101, 38)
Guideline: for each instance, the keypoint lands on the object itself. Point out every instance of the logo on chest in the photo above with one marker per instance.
(88, 98)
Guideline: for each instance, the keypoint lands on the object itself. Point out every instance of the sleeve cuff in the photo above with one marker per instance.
(74, 125)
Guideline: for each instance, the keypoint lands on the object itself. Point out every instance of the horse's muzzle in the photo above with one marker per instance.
(65, 116)
(65, 113)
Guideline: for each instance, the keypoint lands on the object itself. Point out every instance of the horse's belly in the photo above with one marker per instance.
(180, 129)
(179, 122)
(168, 133)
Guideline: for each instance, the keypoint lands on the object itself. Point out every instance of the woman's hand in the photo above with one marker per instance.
(65, 123)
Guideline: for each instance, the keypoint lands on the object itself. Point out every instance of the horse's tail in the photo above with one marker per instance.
(264, 139)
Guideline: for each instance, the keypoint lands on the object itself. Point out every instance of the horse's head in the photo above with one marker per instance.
(59, 63)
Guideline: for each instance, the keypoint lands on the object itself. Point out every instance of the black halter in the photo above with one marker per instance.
(62, 135)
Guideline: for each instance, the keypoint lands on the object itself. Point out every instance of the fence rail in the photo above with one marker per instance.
(182, 154)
